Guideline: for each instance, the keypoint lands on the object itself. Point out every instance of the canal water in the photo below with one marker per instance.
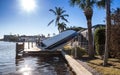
(29, 65)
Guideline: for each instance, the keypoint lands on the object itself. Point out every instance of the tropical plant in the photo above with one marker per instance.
(60, 15)
(99, 39)
(71, 51)
(61, 26)
(106, 4)
(87, 7)
(108, 28)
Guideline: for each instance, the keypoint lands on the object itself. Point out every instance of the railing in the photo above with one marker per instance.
(84, 45)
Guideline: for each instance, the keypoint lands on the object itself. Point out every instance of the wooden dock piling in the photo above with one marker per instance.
(19, 48)
(32, 44)
(28, 45)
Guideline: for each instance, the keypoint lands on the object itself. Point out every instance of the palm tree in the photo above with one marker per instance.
(108, 28)
(61, 26)
(106, 3)
(60, 15)
(87, 7)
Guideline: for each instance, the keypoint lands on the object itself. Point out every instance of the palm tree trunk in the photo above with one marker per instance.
(90, 39)
(108, 28)
(59, 30)
(88, 11)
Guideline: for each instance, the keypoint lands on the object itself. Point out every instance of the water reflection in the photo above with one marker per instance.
(42, 66)
(37, 65)
(26, 70)
(7, 58)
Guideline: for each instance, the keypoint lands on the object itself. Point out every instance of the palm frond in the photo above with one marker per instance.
(65, 15)
(63, 11)
(51, 10)
(92, 2)
(72, 2)
(63, 18)
(50, 22)
(58, 10)
(64, 25)
(101, 4)
(83, 3)
(82, 6)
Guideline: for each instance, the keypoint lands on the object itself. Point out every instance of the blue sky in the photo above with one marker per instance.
(15, 20)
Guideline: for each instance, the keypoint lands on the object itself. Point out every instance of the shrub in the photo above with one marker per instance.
(99, 38)
(67, 49)
(71, 51)
(80, 52)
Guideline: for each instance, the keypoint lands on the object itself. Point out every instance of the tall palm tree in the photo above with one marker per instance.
(108, 28)
(60, 15)
(87, 7)
(61, 26)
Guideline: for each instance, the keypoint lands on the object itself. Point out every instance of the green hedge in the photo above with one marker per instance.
(71, 51)
(99, 38)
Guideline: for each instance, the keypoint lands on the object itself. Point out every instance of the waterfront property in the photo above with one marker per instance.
(30, 65)
(76, 67)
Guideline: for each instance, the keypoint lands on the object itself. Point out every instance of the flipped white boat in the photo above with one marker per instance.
(58, 41)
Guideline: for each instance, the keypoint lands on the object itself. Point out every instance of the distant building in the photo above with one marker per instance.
(31, 38)
(23, 38)
(10, 38)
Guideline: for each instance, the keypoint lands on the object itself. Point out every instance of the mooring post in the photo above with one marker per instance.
(32, 44)
(19, 48)
(28, 45)
(16, 50)
(23, 45)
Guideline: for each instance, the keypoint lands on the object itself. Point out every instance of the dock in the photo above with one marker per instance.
(31, 49)
(34, 50)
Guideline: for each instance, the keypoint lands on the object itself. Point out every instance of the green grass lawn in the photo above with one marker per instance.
(113, 67)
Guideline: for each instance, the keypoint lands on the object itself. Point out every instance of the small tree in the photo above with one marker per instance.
(100, 41)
